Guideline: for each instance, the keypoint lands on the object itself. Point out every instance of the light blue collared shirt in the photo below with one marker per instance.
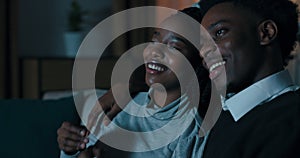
(185, 145)
(260, 92)
(196, 5)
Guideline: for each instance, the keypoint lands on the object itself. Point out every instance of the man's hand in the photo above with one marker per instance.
(72, 138)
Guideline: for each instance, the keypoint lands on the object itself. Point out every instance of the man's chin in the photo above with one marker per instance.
(230, 89)
(234, 88)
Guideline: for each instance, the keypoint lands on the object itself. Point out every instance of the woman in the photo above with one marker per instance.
(156, 111)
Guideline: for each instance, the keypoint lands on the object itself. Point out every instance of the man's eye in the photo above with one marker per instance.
(220, 33)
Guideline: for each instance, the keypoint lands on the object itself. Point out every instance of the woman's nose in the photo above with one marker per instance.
(154, 50)
(156, 54)
(158, 50)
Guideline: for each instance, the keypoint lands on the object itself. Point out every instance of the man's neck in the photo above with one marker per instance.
(263, 74)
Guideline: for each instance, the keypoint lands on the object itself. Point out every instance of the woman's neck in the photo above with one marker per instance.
(163, 98)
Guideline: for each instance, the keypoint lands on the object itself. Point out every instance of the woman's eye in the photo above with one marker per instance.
(153, 42)
(170, 46)
(173, 47)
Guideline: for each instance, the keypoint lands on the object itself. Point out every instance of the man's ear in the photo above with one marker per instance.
(267, 31)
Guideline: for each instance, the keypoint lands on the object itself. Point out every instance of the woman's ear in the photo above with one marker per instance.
(268, 31)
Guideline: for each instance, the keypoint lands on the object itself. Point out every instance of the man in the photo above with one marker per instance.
(261, 112)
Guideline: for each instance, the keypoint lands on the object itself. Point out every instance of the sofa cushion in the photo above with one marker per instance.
(29, 126)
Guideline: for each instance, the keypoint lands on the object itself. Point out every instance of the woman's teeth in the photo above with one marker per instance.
(214, 66)
(155, 67)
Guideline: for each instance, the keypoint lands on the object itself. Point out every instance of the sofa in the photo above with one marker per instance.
(29, 127)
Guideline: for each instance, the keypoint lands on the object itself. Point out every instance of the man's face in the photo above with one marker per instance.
(234, 30)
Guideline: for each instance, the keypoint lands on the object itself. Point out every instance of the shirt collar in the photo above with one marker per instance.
(244, 101)
(196, 5)
(167, 112)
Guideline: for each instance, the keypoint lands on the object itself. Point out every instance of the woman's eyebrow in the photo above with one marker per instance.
(156, 33)
(177, 39)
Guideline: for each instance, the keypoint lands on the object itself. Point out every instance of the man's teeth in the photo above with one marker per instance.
(155, 67)
(214, 66)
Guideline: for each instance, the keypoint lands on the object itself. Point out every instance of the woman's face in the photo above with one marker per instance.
(162, 54)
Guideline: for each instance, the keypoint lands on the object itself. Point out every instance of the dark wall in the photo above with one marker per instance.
(41, 24)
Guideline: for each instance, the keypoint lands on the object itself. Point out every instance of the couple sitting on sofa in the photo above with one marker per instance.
(148, 125)
(260, 113)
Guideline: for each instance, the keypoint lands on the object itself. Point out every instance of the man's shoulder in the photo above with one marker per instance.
(278, 127)
(284, 106)
(270, 130)
(282, 113)
(287, 100)
(277, 118)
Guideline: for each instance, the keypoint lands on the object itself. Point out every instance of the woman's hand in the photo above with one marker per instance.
(92, 151)
(72, 138)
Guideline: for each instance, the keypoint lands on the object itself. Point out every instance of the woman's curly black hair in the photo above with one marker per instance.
(283, 12)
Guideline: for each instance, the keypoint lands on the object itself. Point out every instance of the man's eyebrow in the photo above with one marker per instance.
(217, 23)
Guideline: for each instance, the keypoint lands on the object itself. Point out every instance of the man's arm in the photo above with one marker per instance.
(107, 102)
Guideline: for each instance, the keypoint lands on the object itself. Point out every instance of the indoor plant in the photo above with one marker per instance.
(74, 33)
